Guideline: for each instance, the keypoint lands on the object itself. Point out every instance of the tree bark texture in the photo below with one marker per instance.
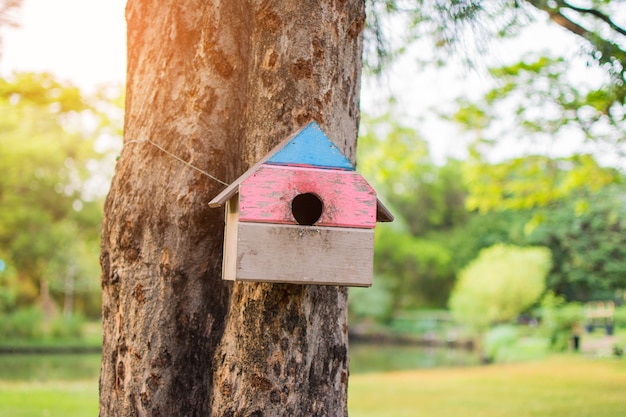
(218, 83)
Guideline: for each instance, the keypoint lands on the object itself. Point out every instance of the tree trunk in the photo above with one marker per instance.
(218, 84)
(47, 305)
(69, 284)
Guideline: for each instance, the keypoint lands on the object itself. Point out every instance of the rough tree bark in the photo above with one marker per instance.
(219, 83)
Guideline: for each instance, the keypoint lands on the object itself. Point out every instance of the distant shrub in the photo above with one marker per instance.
(8, 286)
(501, 283)
(375, 302)
(561, 320)
(505, 343)
(620, 317)
(499, 339)
(66, 327)
(21, 324)
(29, 324)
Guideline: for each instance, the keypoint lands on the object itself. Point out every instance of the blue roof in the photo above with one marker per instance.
(311, 147)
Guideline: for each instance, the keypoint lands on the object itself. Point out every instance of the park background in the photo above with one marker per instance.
(506, 179)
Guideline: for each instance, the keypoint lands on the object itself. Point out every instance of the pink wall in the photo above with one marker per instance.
(348, 200)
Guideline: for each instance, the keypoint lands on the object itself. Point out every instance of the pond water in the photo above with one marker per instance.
(46, 367)
(372, 357)
(364, 358)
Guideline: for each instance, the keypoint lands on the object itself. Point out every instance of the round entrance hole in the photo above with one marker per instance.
(306, 208)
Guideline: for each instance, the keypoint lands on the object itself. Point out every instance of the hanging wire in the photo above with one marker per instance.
(179, 159)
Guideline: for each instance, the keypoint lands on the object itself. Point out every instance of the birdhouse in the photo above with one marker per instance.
(302, 214)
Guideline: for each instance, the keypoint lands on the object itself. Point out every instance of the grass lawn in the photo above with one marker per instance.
(49, 399)
(560, 386)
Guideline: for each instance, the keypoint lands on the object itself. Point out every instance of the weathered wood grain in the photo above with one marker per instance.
(231, 218)
(348, 200)
(305, 254)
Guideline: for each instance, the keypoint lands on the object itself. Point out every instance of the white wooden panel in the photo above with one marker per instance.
(305, 254)
(231, 217)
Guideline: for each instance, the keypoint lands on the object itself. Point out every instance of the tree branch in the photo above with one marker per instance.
(558, 18)
(606, 19)
(6, 9)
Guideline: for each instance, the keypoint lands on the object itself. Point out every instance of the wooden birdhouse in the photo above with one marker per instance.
(301, 215)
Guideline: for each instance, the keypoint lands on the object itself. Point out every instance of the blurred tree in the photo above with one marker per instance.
(588, 244)
(481, 231)
(560, 320)
(396, 159)
(8, 285)
(418, 257)
(414, 270)
(500, 284)
(594, 21)
(532, 181)
(546, 108)
(576, 195)
(467, 27)
(374, 303)
(538, 98)
(50, 213)
(544, 101)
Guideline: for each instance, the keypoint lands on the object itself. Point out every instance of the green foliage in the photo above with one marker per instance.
(539, 95)
(396, 160)
(50, 188)
(588, 244)
(560, 320)
(24, 90)
(533, 181)
(620, 317)
(465, 29)
(446, 25)
(24, 323)
(375, 302)
(419, 255)
(500, 284)
(500, 338)
(599, 25)
(542, 106)
(481, 231)
(8, 285)
(29, 324)
(62, 327)
(545, 101)
(416, 271)
(506, 344)
(413, 270)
